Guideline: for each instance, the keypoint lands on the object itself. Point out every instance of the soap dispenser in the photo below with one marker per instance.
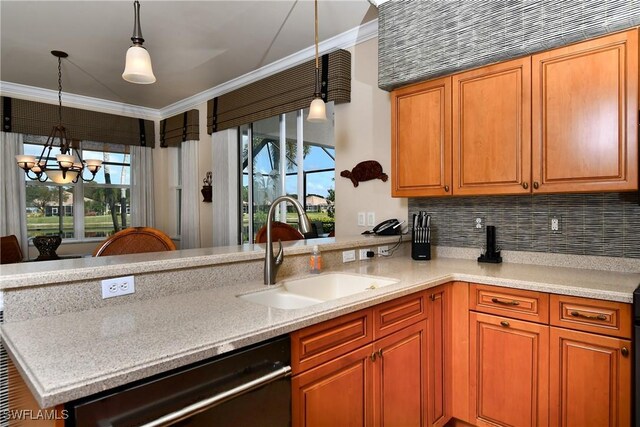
(315, 261)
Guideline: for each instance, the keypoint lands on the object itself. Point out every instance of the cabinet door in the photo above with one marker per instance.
(421, 139)
(509, 367)
(337, 393)
(585, 107)
(400, 378)
(439, 357)
(492, 129)
(591, 379)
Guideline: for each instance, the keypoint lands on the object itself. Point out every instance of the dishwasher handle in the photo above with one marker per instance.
(219, 398)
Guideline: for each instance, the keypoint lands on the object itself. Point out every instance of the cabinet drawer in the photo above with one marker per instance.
(519, 304)
(319, 343)
(394, 315)
(591, 315)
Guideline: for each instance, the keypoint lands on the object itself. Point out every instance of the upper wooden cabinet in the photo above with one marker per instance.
(421, 139)
(585, 112)
(559, 121)
(492, 129)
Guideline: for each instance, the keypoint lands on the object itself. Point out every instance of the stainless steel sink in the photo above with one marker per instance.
(299, 293)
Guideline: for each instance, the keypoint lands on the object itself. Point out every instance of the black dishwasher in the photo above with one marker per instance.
(247, 387)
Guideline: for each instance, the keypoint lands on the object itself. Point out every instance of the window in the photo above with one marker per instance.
(287, 155)
(82, 210)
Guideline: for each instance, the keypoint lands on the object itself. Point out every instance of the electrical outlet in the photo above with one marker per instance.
(479, 223)
(118, 286)
(363, 254)
(555, 224)
(383, 250)
(361, 220)
(348, 256)
(371, 219)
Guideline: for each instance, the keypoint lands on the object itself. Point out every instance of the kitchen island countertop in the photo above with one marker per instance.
(73, 355)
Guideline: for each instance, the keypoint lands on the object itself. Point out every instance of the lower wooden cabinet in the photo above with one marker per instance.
(381, 384)
(590, 379)
(509, 367)
(337, 393)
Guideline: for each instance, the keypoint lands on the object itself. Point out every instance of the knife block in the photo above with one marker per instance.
(420, 251)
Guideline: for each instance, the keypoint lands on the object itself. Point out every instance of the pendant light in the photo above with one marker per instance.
(137, 68)
(67, 168)
(317, 109)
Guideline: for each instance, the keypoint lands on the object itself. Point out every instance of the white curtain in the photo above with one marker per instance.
(142, 212)
(190, 199)
(12, 190)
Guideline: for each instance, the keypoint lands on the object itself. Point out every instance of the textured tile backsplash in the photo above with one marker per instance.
(604, 224)
(419, 40)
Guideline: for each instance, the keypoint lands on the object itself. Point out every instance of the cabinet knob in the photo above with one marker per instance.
(624, 351)
(446, 188)
(380, 353)
(535, 185)
(505, 324)
(525, 185)
(373, 356)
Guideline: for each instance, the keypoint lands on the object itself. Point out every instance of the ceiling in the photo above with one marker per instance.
(194, 45)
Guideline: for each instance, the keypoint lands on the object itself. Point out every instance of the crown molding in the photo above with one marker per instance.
(344, 40)
(77, 101)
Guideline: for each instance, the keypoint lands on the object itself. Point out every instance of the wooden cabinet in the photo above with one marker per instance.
(585, 116)
(590, 379)
(564, 120)
(337, 393)
(439, 391)
(492, 129)
(509, 366)
(421, 139)
(397, 377)
(400, 378)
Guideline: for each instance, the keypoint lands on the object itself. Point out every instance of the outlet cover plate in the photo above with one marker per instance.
(118, 286)
(348, 256)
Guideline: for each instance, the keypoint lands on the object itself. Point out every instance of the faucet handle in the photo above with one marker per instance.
(280, 255)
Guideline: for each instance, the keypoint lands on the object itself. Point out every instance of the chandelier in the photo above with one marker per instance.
(68, 167)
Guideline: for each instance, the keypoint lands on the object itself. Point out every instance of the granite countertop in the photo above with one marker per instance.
(73, 355)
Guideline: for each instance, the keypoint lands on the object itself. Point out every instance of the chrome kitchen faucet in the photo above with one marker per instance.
(272, 263)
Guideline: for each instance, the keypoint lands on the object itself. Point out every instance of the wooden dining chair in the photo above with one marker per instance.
(10, 251)
(135, 240)
(279, 231)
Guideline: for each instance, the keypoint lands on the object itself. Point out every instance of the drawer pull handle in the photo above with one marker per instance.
(505, 324)
(586, 316)
(624, 351)
(499, 301)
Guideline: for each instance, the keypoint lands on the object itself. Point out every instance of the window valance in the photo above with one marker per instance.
(181, 127)
(37, 118)
(283, 92)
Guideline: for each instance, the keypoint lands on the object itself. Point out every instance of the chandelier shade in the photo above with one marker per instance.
(68, 165)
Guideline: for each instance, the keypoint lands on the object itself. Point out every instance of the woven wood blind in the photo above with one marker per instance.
(37, 118)
(286, 91)
(178, 128)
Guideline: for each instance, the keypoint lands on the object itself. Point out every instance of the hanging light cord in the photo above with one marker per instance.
(316, 24)
(59, 90)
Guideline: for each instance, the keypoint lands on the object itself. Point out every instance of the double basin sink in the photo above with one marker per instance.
(307, 291)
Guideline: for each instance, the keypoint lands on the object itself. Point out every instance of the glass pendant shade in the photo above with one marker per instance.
(25, 161)
(57, 176)
(93, 165)
(65, 160)
(317, 111)
(137, 68)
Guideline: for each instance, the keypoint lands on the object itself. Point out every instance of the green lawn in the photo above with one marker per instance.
(93, 225)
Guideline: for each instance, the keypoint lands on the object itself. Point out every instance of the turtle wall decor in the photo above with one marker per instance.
(365, 171)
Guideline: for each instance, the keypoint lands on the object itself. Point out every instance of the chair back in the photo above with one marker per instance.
(135, 240)
(279, 231)
(10, 251)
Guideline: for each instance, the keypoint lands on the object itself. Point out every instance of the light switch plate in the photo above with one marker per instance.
(348, 256)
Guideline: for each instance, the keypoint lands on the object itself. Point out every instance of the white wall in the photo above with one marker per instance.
(363, 132)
